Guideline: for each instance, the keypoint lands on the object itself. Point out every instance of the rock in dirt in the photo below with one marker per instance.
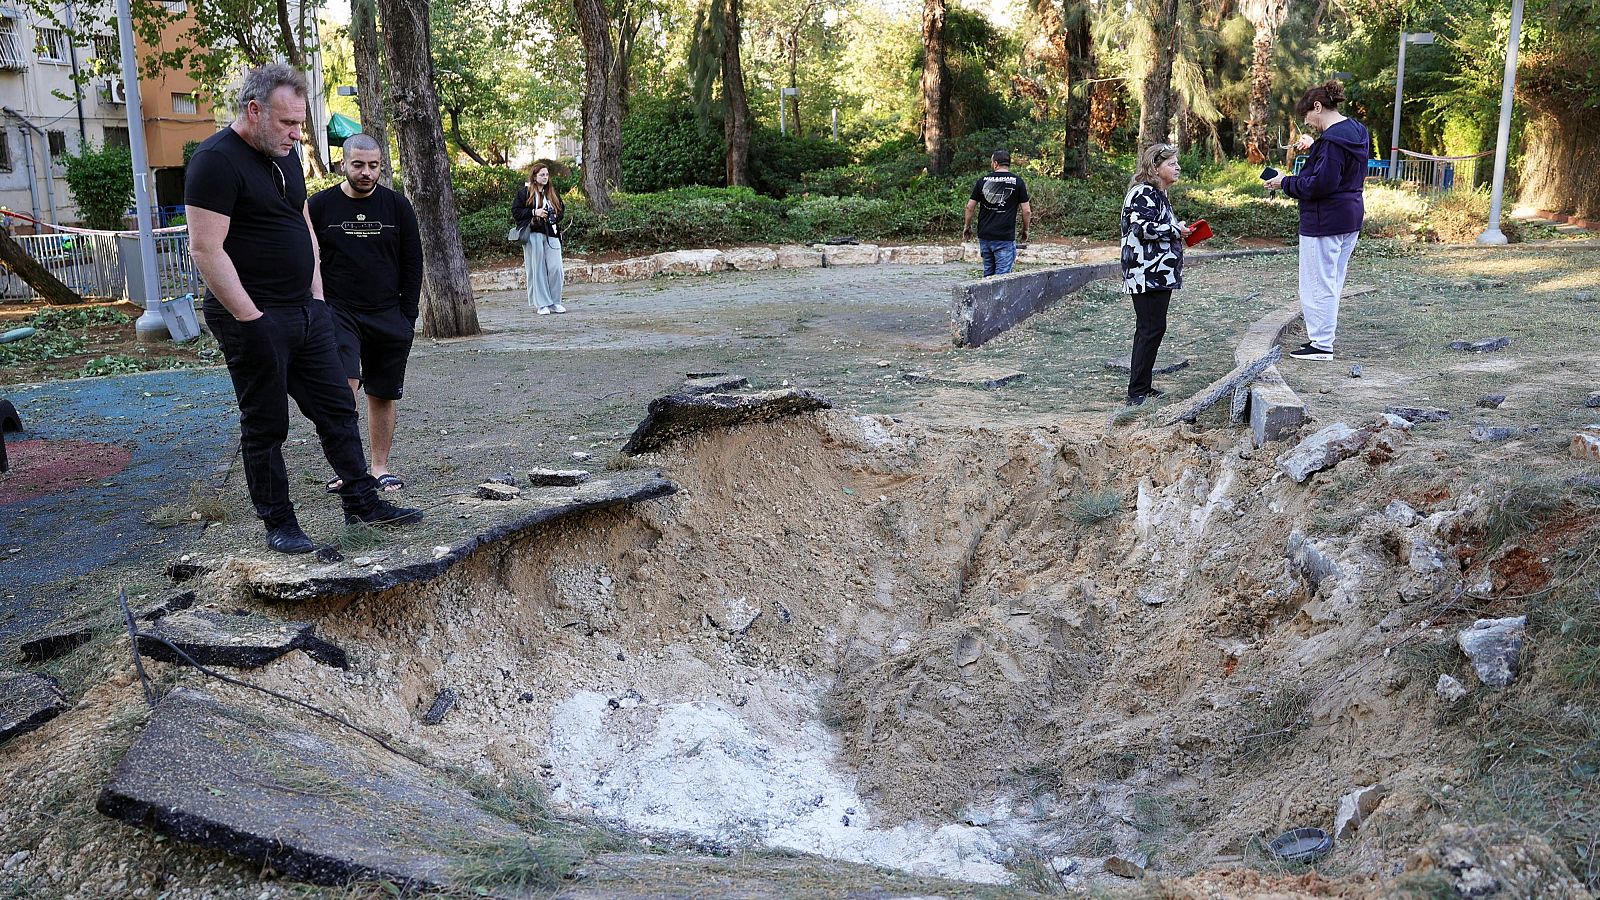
(1586, 444)
(982, 378)
(1592, 400)
(1491, 401)
(57, 642)
(1492, 434)
(1495, 648)
(678, 415)
(442, 704)
(1165, 365)
(1418, 413)
(1487, 345)
(241, 640)
(1323, 450)
(313, 802)
(1311, 560)
(494, 490)
(1450, 689)
(1130, 866)
(1355, 371)
(714, 384)
(968, 648)
(1426, 557)
(1400, 512)
(1584, 296)
(26, 702)
(1354, 808)
(557, 477)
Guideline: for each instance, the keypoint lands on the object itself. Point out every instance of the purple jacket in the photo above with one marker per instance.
(1329, 185)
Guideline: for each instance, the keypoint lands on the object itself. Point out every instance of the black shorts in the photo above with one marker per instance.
(374, 346)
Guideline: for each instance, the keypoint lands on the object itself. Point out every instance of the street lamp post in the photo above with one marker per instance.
(1421, 37)
(149, 327)
(783, 100)
(1493, 235)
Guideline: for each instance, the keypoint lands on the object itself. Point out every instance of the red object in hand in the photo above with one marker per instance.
(1200, 230)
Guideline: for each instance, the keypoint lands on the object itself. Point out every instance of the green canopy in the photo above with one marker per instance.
(341, 127)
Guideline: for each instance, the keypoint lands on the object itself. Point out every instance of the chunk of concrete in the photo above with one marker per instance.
(27, 701)
(1401, 513)
(795, 257)
(494, 490)
(1491, 434)
(1191, 409)
(1130, 866)
(1491, 401)
(1323, 450)
(678, 415)
(914, 256)
(290, 792)
(690, 262)
(1354, 808)
(1495, 648)
(751, 259)
(1586, 444)
(715, 384)
(1276, 412)
(241, 640)
(836, 255)
(637, 269)
(983, 378)
(1312, 561)
(1416, 414)
(1450, 689)
(1487, 345)
(1165, 365)
(557, 477)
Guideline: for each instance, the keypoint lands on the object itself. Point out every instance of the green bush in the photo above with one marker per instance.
(488, 187)
(664, 146)
(682, 218)
(101, 185)
(778, 161)
(483, 233)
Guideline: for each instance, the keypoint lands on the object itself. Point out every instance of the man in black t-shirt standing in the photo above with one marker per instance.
(251, 238)
(372, 271)
(997, 198)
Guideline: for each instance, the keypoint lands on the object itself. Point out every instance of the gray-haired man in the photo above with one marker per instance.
(251, 238)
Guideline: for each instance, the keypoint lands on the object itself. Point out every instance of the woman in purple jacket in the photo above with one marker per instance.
(1329, 190)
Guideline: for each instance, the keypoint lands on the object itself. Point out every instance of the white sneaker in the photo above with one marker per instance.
(559, 308)
(544, 310)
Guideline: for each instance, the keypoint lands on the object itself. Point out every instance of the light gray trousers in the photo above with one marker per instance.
(1323, 262)
(541, 257)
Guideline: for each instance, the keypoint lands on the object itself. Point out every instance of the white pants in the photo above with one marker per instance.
(1323, 261)
(541, 256)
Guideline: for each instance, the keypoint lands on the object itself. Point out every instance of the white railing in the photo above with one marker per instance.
(91, 265)
(1439, 174)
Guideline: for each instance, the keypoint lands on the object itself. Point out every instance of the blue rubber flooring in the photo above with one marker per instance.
(180, 426)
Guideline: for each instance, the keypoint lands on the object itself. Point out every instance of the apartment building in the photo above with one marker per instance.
(56, 94)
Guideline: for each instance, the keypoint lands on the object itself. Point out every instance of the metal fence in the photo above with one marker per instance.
(91, 265)
(1439, 174)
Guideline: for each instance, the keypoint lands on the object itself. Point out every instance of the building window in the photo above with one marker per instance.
(52, 44)
(108, 52)
(58, 144)
(11, 55)
(116, 137)
(184, 105)
(5, 150)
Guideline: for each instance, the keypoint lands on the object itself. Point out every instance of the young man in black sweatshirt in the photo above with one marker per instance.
(372, 271)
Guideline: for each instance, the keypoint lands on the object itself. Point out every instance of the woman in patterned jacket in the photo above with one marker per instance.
(1152, 260)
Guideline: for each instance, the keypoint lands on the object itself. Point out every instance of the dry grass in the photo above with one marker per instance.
(203, 506)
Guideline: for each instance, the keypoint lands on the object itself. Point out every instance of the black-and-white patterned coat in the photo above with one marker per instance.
(1152, 242)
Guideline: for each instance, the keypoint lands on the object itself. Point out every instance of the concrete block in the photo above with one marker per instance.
(751, 259)
(637, 269)
(1048, 254)
(914, 256)
(954, 252)
(510, 278)
(691, 262)
(575, 273)
(836, 255)
(796, 257)
(1276, 413)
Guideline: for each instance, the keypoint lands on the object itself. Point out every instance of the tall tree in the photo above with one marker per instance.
(1267, 17)
(714, 60)
(935, 87)
(1155, 95)
(370, 92)
(601, 109)
(448, 308)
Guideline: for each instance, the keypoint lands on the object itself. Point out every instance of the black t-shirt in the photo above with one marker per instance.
(264, 199)
(371, 249)
(999, 195)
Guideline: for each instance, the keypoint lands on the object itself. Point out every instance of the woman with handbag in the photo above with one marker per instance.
(538, 213)
(1152, 260)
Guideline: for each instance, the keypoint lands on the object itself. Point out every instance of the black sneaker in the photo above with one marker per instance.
(1155, 392)
(1139, 400)
(1310, 351)
(382, 512)
(289, 539)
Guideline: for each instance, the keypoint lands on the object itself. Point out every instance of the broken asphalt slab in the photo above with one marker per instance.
(327, 808)
(27, 701)
(241, 640)
(678, 415)
(286, 580)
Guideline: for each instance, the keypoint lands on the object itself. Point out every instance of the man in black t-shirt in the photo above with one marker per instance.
(372, 271)
(997, 198)
(251, 238)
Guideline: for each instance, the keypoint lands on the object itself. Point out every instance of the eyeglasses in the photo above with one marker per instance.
(283, 186)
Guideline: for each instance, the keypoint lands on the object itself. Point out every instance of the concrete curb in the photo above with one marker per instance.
(981, 310)
(1275, 410)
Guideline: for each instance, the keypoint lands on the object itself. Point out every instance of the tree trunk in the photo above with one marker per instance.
(794, 77)
(36, 276)
(1563, 153)
(461, 141)
(370, 95)
(935, 87)
(1258, 147)
(736, 106)
(1155, 108)
(1080, 71)
(295, 54)
(628, 22)
(448, 309)
(601, 109)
